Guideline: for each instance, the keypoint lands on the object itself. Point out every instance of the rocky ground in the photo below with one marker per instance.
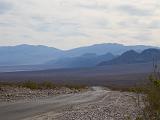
(109, 108)
(96, 103)
(112, 105)
(11, 94)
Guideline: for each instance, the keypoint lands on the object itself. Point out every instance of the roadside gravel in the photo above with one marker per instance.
(109, 105)
(12, 94)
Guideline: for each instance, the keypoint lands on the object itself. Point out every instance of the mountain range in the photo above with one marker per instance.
(132, 57)
(86, 60)
(31, 54)
(27, 54)
(100, 49)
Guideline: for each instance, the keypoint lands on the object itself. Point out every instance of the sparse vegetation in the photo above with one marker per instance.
(77, 87)
(151, 99)
(30, 84)
(41, 85)
(47, 85)
(150, 93)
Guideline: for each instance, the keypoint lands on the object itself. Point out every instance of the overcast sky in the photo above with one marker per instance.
(68, 24)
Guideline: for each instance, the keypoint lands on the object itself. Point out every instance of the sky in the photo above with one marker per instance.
(67, 24)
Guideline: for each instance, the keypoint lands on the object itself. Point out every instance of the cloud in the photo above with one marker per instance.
(59, 22)
(134, 11)
(5, 7)
(143, 37)
(155, 25)
(93, 6)
(59, 27)
(135, 23)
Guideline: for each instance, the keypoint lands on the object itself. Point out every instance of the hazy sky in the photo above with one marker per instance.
(72, 23)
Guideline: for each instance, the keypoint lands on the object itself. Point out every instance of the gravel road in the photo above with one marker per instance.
(95, 104)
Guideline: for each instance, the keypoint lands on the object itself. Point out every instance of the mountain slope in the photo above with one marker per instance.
(100, 49)
(132, 56)
(27, 54)
(86, 60)
(30, 54)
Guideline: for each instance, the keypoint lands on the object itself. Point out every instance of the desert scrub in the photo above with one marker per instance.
(41, 85)
(151, 99)
(47, 85)
(38, 85)
(76, 87)
(30, 84)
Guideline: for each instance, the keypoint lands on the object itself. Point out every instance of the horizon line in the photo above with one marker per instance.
(79, 46)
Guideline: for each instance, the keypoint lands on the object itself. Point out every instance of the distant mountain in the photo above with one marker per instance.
(31, 54)
(100, 49)
(132, 56)
(86, 60)
(27, 54)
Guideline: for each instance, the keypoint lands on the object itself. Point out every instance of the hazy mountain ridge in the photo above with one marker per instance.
(86, 60)
(27, 54)
(131, 57)
(39, 54)
(100, 49)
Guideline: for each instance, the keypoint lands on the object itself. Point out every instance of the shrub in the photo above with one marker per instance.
(30, 84)
(77, 87)
(47, 85)
(41, 85)
(152, 98)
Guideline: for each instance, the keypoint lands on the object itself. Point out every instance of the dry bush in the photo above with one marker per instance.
(151, 99)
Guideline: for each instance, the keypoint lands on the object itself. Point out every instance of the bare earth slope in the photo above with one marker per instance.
(95, 104)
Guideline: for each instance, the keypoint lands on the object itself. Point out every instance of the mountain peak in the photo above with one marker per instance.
(151, 50)
(108, 44)
(25, 54)
(132, 56)
(130, 52)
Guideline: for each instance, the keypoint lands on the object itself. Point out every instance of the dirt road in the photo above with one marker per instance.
(95, 104)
